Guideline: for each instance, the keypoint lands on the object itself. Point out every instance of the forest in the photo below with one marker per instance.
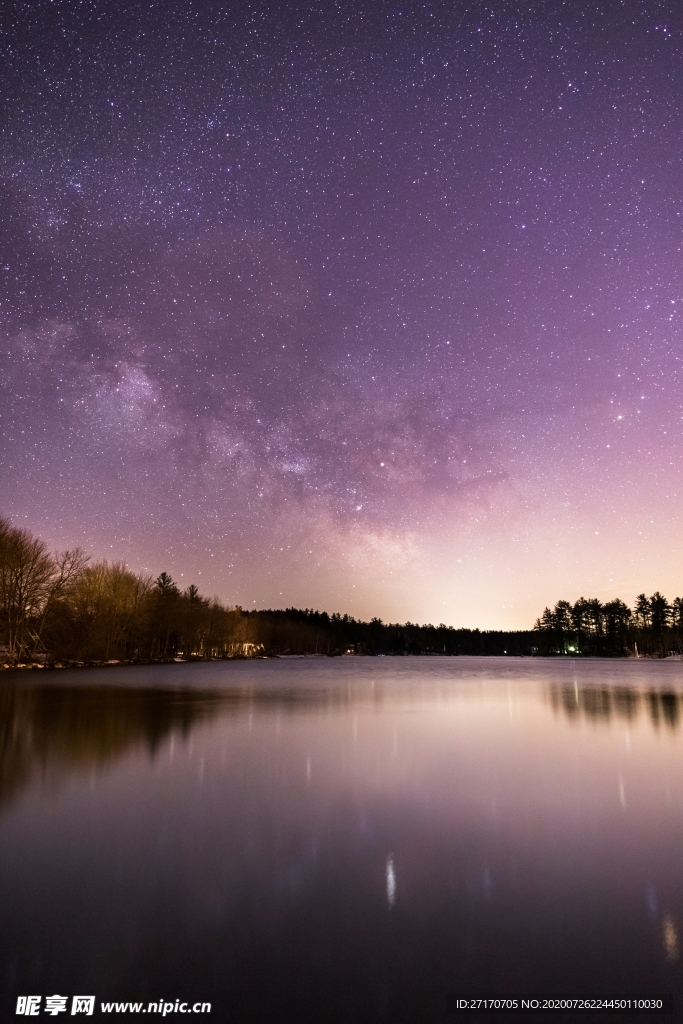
(66, 610)
(654, 628)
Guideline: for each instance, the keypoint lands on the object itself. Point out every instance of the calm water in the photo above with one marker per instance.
(342, 839)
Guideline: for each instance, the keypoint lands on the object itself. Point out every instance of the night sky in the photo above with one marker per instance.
(373, 308)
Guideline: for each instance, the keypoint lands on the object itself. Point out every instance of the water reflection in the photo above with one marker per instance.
(52, 730)
(343, 837)
(391, 882)
(606, 703)
(670, 936)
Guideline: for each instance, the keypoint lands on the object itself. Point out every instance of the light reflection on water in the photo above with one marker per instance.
(335, 836)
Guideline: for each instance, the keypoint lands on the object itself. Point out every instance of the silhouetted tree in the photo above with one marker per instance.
(660, 613)
(677, 613)
(641, 611)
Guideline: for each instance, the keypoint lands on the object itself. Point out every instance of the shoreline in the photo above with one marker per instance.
(114, 663)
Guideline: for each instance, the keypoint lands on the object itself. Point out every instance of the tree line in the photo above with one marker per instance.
(653, 628)
(65, 609)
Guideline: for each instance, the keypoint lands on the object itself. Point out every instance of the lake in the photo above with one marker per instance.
(343, 839)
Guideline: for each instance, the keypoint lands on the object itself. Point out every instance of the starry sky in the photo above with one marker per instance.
(366, 307)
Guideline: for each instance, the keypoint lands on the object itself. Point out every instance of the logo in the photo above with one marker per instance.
(29, 1006)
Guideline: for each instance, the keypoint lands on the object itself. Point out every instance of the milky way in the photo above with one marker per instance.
(373, 308)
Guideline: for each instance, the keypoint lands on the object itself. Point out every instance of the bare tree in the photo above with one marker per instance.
(27, 572)
(109, 603)
(31, 582)
(69, 567)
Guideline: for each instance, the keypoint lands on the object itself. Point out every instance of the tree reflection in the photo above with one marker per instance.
(49, 730)
(601, 704)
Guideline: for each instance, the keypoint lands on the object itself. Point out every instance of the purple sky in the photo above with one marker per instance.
(372, 308)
